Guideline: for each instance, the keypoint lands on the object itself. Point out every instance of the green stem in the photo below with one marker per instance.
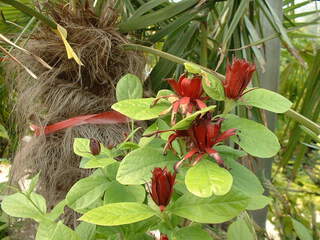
(304, 121)
(29, 11)
(204, 45)
(167, 220)
(168, 56)
(229, 104)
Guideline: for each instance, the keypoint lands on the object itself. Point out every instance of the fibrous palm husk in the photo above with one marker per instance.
(66, 91)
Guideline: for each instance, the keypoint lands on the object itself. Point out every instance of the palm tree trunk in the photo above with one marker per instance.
(269, 80)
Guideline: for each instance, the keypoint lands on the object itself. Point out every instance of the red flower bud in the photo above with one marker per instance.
(162, 187)
(164, 237)
(95, 147)
(238, 76)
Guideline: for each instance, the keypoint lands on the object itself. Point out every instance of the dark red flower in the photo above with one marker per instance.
(164, 237)
(238, 76)
(203, 135)
(162, 187)
(188, 95)
(95, 147)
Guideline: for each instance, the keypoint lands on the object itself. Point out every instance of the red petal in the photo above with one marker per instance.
(175, 86)
(200, 133)
(191, 153)
(200, 104)
(225, 135)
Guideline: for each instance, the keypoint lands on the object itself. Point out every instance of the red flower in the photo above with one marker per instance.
(164, 237)
(204, 135)
(162, 187)
(238, 76)
(188, 95)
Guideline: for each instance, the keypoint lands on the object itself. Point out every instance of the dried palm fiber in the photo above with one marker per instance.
(66, 91)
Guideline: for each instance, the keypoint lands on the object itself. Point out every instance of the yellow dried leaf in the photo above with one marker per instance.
(62, 33)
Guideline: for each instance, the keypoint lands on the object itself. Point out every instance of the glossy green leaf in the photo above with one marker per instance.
(186, 122)
(192, 68)
(81, 147)
(258, 201)
(140, 109)
(118, 214)
(136, 167)
(207, 178)
(192, 233)
(18, 205)
(243, 179)
(266, 99)
(239, 230)
(129, 87)
(64, 232)
(45, 230)
(99, 161)
(33, 184)
(57, 210)
(117, 192)
(212, 86)
(216, 209)
(302, 232)
(86, 191)
(86, 231)
(254, 138)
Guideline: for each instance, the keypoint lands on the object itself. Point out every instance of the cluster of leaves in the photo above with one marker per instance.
(113, 200)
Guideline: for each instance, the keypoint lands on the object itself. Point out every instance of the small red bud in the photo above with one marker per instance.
(162, 187)
(95, 147)
(164, 237)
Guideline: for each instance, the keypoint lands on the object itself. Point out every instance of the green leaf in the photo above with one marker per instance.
(86, 231)
(111, 171)
(33, 184)
(302, 232)
(165, 92)
(243, 179)
(118, 214)
(45, 230)
(156, 16)
(57, 210)
(207, 178)
(136, 167)
(239, 230)
(129, 87)
(216, 209)
(192, 233)
(140, 109)
(258, 201)
(253, 137)
(192, 68)
(98, 161)
(212, 86)
(117, 192)
(18, 205)
(86, 191)
(81, 147)
(3, 132)
(64, 232)
(265, 99)
(186, 122)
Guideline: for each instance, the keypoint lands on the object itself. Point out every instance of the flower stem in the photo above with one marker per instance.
(167, 219)
(229, 104)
